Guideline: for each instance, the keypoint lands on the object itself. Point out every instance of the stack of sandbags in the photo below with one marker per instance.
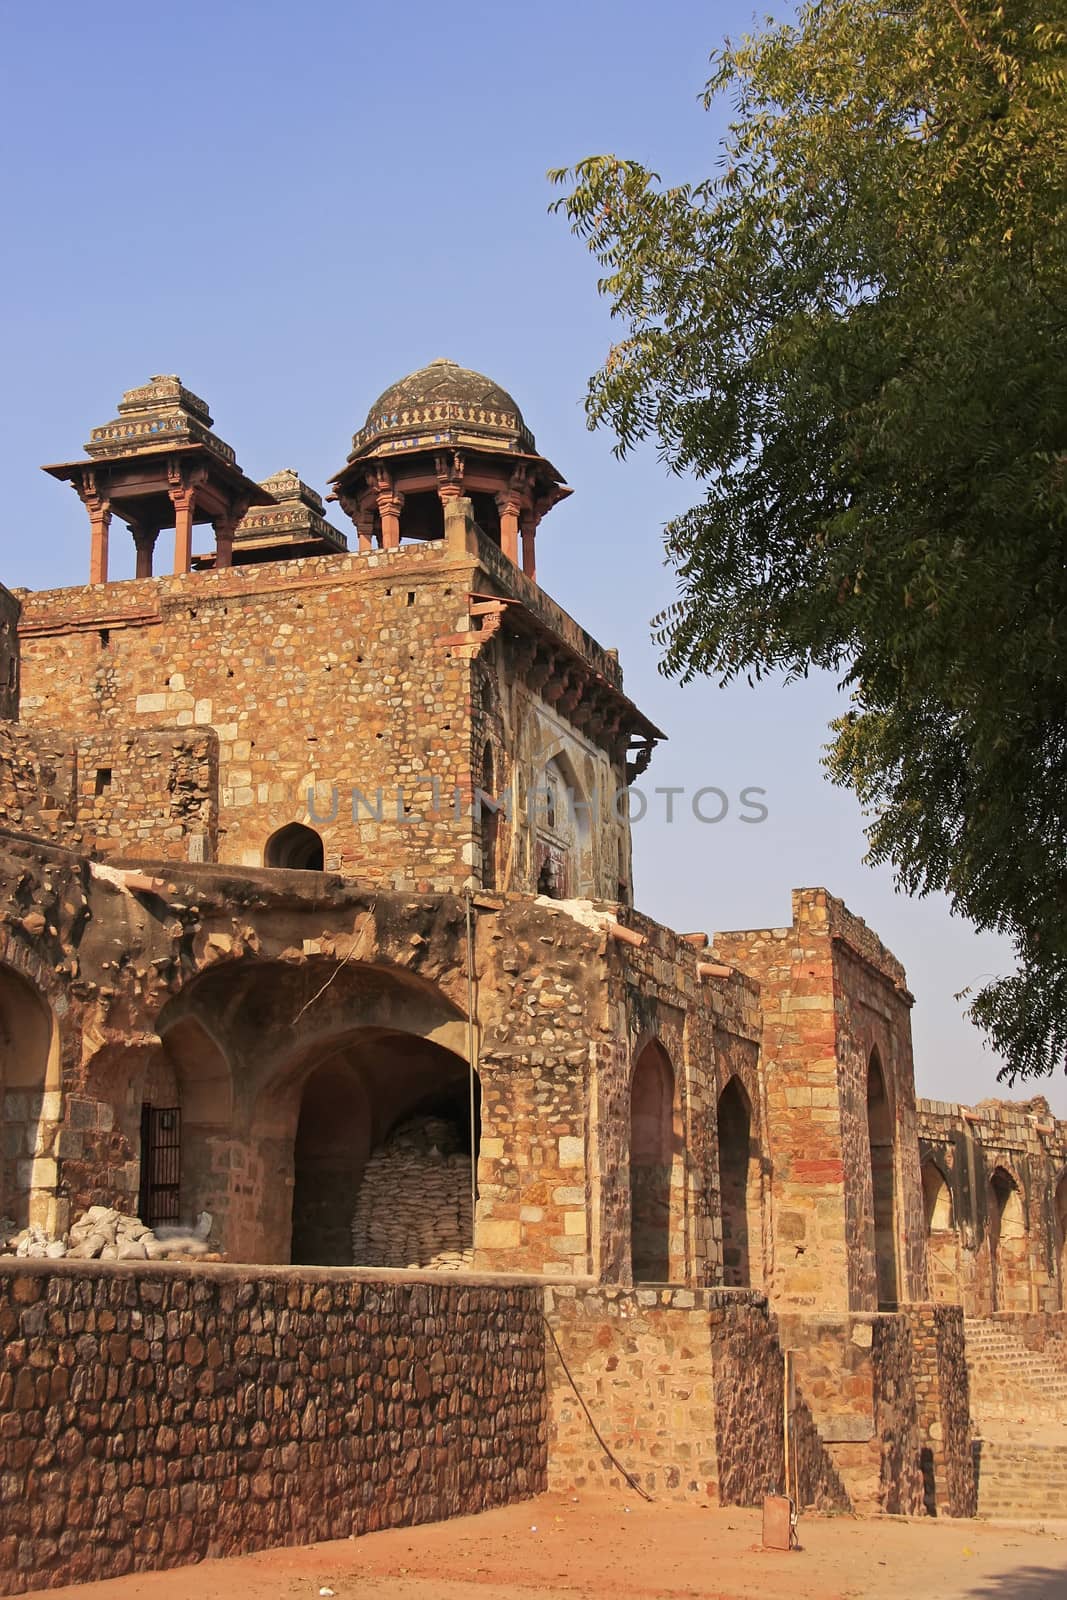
(414, 1205)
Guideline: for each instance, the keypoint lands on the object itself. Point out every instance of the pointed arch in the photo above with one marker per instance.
(1009, 1244)
(297, 847)
(1060, 1214)
(653, 1153)
(882, 1144)
(942, 1248)
(739, 1188)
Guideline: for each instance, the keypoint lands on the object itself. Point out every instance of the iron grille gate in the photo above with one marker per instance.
(161, 1148)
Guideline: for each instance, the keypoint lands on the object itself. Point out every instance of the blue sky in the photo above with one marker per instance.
(293, 206)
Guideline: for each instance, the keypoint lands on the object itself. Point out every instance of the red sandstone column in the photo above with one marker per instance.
(184, 501)
(508, 506)
(364, 521)
(144, 541)
(100, 522)
(528, 524)
(224, 531)
(390, 505)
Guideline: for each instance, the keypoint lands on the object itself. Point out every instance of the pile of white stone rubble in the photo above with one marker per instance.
(105, 1234)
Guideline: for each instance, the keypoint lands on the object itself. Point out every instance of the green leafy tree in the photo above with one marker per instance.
(854, 336)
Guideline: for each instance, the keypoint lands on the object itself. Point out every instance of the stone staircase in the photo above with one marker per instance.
(1019, 1409)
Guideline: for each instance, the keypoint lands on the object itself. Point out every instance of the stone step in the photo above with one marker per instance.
(1021, 1479)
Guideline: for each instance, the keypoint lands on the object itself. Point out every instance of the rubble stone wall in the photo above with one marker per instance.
(351, 694)
(683, 1388)
(125, 791)
(888, 1393)
(156, 1416)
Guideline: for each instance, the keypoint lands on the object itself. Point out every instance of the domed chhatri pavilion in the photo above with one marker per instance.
(317, 920)
(441, 433)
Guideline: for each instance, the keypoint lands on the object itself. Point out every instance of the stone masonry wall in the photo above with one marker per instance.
(321, 675)
(685, 1389)
(349, 693)
(889, 1396)
(129, 790)
(155, 1416)
(831, 994)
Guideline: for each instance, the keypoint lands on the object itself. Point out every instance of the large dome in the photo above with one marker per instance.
(436, 404)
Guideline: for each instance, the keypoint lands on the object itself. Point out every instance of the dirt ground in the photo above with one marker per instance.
(564, 1548)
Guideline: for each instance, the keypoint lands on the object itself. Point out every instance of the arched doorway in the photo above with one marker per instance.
(739, 1188)
(880, 1131)
(1060, 1208)
(384, 1157)
(1009, 1267)
(652, 1157)
(941, 1255)
(297, 847)
(29, 1070)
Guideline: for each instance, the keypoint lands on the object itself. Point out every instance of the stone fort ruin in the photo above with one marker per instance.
(316, 917)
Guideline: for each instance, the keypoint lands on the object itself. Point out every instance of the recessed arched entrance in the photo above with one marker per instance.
(297, 847)
(882, 1233)
(1008, 1244)
(739, 1188)
(653, 1145)
(29, 1082)
(384, 1155)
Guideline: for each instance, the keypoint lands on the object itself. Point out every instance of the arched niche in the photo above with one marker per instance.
(564, 832)
(654, 1156)
(882, 1145)
(296, 847)
(1060, 1214)
(942, 1257)
(30, 1101)
(739, 1188)
(1009, 1245)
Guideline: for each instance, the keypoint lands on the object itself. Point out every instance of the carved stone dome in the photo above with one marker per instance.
(443, 403)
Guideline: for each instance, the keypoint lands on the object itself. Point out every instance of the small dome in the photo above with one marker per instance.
(438, 401)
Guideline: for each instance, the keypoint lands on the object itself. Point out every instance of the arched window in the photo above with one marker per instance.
(652, 1148)
(739, 1188)
(883, 1161)
(296, 847)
